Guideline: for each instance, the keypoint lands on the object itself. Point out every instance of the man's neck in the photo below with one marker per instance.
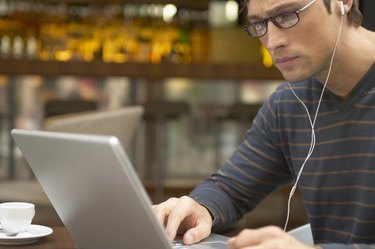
(354, 57)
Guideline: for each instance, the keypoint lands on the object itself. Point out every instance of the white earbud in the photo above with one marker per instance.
(312, 121)
(342, 10)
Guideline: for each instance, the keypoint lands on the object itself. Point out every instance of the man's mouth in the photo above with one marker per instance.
(285, 62)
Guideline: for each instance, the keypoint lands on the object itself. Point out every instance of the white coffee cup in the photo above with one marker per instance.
(16, 217)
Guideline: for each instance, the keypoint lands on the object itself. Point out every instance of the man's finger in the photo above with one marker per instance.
(162, 210)
(182, 209)
(196, 234)
(250, 237)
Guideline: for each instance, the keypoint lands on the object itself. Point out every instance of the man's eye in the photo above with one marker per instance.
(284, 17)
(258, 25)
(279, 18)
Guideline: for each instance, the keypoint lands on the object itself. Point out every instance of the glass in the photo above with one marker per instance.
(283, 21)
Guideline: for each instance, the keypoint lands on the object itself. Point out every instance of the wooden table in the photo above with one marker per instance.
(59, 239)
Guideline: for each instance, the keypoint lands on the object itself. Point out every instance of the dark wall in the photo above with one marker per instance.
(368, 10)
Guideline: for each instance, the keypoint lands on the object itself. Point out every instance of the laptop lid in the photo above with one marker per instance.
(121, 123)
(93, 187)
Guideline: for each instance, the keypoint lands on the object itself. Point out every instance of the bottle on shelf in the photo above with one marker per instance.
(110, 32)
(5, 46)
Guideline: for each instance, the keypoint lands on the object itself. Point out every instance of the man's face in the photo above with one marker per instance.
(303, 50)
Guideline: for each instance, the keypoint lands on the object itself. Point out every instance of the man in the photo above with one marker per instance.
(318, 131)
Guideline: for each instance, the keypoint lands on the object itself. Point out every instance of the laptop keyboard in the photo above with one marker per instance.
(178, 244)
(202, 245)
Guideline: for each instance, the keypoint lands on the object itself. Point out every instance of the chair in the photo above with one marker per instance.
(120, 122)
(243, 115)
(157, 114)
(303, 233)
(60, 107)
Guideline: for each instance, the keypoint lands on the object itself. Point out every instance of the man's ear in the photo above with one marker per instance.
(346, 5)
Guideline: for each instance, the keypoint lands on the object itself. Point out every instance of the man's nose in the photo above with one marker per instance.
(274, 38)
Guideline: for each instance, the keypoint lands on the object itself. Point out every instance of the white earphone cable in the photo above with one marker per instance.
(312, 124)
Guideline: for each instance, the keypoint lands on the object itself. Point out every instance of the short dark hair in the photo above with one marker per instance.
(354, 15)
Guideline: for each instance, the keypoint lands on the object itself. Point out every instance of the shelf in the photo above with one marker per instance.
(201, 4)
(138, 70)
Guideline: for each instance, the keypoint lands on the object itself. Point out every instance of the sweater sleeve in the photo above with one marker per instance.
(343, 246)
(255, 169)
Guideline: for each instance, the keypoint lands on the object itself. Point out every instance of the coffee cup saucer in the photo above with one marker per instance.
(32, 235)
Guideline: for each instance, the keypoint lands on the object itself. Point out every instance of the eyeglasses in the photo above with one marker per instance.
(283, 21)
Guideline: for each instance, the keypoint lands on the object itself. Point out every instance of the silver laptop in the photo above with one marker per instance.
(121, 122)
(93, 187)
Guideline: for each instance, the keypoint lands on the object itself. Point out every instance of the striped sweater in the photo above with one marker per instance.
(338, 182)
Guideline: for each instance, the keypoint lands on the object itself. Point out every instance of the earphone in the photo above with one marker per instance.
(312, 122)
(342, 10)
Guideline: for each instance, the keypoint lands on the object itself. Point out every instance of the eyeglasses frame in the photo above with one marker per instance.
(273, 20)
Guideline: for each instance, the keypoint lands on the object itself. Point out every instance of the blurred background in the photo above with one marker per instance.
(200, 78)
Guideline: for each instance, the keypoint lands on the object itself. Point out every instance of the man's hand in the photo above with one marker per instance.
(269, 237)
(186, 217)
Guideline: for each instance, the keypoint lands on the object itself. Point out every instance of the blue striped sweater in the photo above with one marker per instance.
(338, 182)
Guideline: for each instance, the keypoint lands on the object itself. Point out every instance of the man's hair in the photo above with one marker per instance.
(354, 15)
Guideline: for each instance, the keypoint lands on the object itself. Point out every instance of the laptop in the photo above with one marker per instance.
(121, 122)
(96, 192)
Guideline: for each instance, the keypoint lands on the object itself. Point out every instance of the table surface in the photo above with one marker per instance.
(59, 239)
